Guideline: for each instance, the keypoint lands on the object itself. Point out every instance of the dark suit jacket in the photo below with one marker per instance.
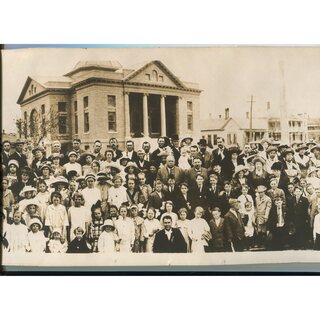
(144, 167)
(213, 197)
(118, 155)
(218, 234)
(180, 202)
(191, 176)
(4, 158)
(217, 160)
(134, 157)
(273, 218)
(298, 213)
(155, 201)
(163, 174)
(228, 167)
(224, 202)
(234, 227)
(176, 244)
(199, 198)
(176, 154)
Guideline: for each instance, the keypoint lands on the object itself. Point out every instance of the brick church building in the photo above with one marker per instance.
(101, 99)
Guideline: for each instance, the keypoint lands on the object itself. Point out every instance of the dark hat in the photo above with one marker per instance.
(153, 163)
(277, 166)
(282, 145)
(271, 148)
(234, 149)
(287, 151)
(202, 142)
(45, 164)
(18, 142)
(38, 148)
(83, 157)
(26, 170)
(90, 175)
(311, 142)
(175, 137)
(124, 159)
(72, 173)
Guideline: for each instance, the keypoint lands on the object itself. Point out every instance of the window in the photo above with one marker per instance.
(189, 116)
(112, 121)
(62, 124)
(154, 75)
(229, 141)
(215, 137)
(209, 140)
(112, 116)
(62, 117)
(148, 76)
(86, 114)
(35, 89)
(161, 78)
(111, 101)
(75, 105)
(25, 127)
(43, 109)
(62, 107)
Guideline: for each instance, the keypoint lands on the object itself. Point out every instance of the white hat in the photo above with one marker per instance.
(108, 223)
(26, 189)
(35, 220)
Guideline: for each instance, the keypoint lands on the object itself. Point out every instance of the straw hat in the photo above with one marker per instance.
(114, 165)
(239, 168)
(261, 188)
(14, 162)
(60, 180)
(258, 159)
(108, 223)
(131, 165)
(35, 221)
(27, 189)
(316, 147)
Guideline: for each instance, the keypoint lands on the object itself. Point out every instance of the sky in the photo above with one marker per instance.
(228, 76)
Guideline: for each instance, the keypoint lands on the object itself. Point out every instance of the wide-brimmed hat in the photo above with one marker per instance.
(239, 168)
(271, 148)
(60, 180)
(282, 145)
(31, 202)
(277, 166)
(261, 188)
(114, 165)
(14, 162)
(71, 174)
(37, 148)
(79, 179)
(287, 151)
(317, 146)
(18, 142)
(153, 163)
(258, 159)
(35, 221)
(260, 147)
(301, 147)
(55, 156)
(131, 165)
(84, 155)
(90, 176)
(312, 169)
(27, 189)
(311, 142)
(108, 223)
(266, 140)
(46, 164)
(186, 138)
(102, 176)
(124, 159)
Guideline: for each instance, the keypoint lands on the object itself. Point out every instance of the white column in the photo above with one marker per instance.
(145, 116)
(127, 115)
(163, 116)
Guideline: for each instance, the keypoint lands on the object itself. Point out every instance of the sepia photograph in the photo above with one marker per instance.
(160, 157)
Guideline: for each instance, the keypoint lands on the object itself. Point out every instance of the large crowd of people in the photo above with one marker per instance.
(183, 196)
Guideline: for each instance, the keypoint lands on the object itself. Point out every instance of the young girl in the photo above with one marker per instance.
(72, 164)
(248, 221)
(86, 162)
(79, 244)
(78, 214)
(168, 206)
(91, 194)
(217, 230)
(43, 196)
(12, 173)
(138, 232)
(199, 229)
(151, 226)
(7, 198)
(244, 198)
(117, 193)
(108, 240)
(56, 215)
(125, 229)
(184, 224)
(32, 211)
(27, 194)
(57, 244)
(57, 168)
(95, 226)
(36, 240)
(17, 234)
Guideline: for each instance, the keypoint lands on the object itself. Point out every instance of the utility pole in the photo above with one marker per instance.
(251, 131)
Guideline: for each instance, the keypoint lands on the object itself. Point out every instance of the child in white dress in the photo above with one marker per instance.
(108, 240)
(184, 225)
(198, 231)
(57, 244)
(117, 193)
(43, 197)
(17, 234)
(151, 226)
(36, 240)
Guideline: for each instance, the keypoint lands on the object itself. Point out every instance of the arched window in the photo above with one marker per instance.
(33, 123)
(32, 89)
(154, 75)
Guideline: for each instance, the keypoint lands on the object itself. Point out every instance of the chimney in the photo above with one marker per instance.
(226, 113)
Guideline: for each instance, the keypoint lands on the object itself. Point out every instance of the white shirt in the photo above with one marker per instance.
(91, 196)
(73, 166)
(125, 229)
(280, 222)
(168, 233)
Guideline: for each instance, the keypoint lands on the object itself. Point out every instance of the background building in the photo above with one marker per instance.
(101, 99)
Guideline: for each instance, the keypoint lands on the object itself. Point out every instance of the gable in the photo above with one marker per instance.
(31, 88)
(155, 73)
(231, 125)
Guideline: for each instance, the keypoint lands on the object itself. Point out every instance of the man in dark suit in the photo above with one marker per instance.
(199, 195)
(5, 154)
(225, 196)
(170, 169)
(194, 171)
(183, 199)
(204, 153)
(220, 153)
(129, 152)
(169, 240)
(161, 146)
(157, 197)
(117, 154)
(234, 227)
(173, 190)
(298, 208)
(175, 147)
(142, 164)
(18, 154)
